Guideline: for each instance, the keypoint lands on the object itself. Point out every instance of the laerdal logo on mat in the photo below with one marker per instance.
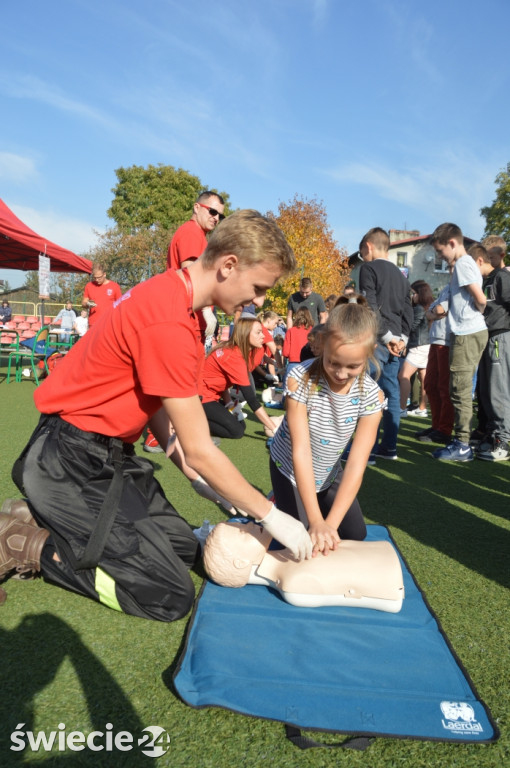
(459, 716)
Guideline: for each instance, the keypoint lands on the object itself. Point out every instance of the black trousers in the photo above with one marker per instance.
(143, 569)
(287, 498)
(222, 423)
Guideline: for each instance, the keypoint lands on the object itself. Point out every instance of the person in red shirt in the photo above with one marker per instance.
(228, 365)
(187, 244)
(189, 240)
(265, 374)
(99, 294)
(96, 521)
(296, 338)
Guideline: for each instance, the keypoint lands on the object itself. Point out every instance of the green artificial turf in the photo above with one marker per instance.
(66, 659)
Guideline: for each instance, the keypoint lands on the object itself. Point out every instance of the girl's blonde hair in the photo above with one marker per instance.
(351, 321)
(240, 338)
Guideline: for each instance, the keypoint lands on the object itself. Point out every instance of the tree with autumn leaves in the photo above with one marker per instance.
(305, 225)
(148, 205)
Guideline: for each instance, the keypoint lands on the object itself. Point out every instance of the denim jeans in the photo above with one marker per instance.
(388, 381)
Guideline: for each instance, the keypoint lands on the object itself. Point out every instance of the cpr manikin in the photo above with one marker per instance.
(365, 574)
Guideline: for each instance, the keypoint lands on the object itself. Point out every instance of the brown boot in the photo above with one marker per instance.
(19, 509)
(20, 545)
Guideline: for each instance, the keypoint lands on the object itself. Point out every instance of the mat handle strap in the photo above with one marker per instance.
(294, 735)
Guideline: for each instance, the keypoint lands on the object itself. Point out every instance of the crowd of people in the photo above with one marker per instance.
(93, 518)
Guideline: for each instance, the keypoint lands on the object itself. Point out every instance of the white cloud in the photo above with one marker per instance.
(34, 89)
(451, 187)
(73, 234)
(16, 168)
(320, 9)
(415, 37)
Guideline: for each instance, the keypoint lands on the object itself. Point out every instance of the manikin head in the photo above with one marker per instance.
(232, 549)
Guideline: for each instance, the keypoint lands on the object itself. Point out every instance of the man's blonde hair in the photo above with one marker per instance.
(495, 241)
(253, 238)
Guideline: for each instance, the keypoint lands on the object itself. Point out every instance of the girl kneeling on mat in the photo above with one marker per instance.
(228, 365)
(329, 399)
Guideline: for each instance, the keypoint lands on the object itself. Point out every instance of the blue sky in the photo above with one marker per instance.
(392, 112)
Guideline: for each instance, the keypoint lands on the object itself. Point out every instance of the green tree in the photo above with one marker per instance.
(305, 225)
(497, 215)
(159, 194)
(31, 280)
(130, 257)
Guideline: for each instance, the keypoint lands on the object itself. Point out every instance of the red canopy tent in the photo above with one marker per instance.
(20, 247)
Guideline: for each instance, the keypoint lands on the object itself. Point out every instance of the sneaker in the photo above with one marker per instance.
(499, 451)
(423, 435)
(454, 451)
(476, 437)
(422, 413)
(433, 436)
(486, 444)
(371, 460)
(385, 453)
(438, 437)
(403, 413)
(151, 445)
(216, 440)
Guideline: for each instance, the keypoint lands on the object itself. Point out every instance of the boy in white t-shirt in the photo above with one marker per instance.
(81, 324)
(468, 335)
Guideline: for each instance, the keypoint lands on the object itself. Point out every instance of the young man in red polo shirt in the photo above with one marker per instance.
(187, 244)
(102, 525)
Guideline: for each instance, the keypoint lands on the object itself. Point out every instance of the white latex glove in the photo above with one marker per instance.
(210, 320)
(203, 489)
(277, 420)
(289, 532)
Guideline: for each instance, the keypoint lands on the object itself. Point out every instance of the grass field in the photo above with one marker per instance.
(69, 660)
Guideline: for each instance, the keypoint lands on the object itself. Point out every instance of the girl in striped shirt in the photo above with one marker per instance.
(328, 400)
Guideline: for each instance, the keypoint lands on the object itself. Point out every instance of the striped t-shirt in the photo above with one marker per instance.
(332, 419)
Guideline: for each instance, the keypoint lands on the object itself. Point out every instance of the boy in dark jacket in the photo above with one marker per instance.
(388, 293)
(494, 368)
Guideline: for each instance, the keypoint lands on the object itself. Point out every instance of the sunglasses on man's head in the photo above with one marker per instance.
(213, 211)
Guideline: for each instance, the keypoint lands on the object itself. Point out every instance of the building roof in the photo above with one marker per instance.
(355, 257)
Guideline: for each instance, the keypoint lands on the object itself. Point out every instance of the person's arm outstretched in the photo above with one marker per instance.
(324, 537)
(190, 423)
(352, 476)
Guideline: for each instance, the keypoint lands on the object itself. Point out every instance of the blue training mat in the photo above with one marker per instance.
(346, 670)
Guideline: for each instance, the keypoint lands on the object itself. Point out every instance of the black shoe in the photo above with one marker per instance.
(439, 437)
(434, 436)
(476, 437)
(423, 434)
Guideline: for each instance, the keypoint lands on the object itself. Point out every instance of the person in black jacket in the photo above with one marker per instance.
(494, 367)
(389, 294)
